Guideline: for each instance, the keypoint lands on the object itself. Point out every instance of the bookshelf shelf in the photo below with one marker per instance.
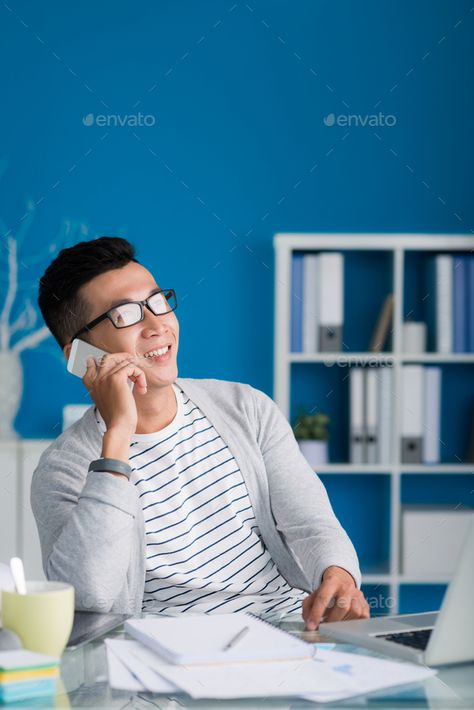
(376, 578)
(293, 371)
(341, 357)
(438, 468)
(351, 468)
(406, 469)
(439, 357)
(405, 579)
(385, 358)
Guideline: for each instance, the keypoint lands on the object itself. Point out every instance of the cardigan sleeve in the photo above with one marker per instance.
(300, 505)
(85, 523)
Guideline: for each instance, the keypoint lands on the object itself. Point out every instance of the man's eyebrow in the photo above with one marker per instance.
(114, 304)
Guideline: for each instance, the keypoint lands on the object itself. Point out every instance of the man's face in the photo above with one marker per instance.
(135, 283)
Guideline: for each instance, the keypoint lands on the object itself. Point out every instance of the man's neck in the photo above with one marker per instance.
(156, 409)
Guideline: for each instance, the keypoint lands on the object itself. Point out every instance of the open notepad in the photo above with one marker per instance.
(203, 639)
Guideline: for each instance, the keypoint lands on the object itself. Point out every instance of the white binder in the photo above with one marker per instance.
(356, 424)
(371, 414)
(432, 412)
(310, 303)
(331, 298)
(412, 414)
(385, 394)
(444, 303)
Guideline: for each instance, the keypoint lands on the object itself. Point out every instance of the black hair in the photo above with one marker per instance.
(61, 304)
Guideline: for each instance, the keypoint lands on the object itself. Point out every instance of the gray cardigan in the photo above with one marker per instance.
(91, 525)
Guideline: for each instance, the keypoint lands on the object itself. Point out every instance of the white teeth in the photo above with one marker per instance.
(154, 353)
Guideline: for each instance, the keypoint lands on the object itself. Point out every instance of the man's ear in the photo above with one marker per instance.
(67, 350)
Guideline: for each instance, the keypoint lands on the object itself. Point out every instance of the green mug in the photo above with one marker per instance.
(42, 617)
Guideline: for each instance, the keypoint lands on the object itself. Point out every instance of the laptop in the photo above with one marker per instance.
(432, 638)
(90, 625)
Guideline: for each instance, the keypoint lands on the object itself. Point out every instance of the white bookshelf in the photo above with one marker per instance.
(398, 245)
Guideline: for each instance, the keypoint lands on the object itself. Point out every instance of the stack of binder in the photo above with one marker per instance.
(370, 415)
(420, 414)
(451, 303)
(317, 302)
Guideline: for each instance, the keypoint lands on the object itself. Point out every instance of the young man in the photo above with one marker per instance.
(183, 494)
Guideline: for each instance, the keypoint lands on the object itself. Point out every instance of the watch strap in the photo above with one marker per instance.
(111, 466)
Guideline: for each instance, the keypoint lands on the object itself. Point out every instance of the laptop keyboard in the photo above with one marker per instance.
(415, 639)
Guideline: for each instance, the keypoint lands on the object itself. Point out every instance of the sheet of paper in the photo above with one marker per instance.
(124, 651)
(21, 658)
(244, 680)
(330, 676)
(366, 674)
(120, 677)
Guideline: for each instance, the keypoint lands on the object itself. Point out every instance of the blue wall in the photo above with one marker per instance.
(238, 93)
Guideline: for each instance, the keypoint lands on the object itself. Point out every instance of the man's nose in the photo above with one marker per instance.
(155, 323)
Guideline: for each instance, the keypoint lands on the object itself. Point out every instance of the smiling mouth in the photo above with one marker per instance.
(158, 355)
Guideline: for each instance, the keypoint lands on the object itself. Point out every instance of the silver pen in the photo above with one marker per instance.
(235, 639)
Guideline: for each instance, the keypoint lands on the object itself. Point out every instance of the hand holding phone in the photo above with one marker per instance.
(80, 353)
(104, 379)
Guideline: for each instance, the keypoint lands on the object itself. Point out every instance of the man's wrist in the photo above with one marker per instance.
(334, 570)
(116, 445)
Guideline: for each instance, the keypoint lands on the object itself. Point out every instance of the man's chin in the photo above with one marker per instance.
(160, 376)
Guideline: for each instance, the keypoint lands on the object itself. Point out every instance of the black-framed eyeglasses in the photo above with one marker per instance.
(126, 314)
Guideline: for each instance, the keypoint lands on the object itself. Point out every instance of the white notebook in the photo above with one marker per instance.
(202, 638)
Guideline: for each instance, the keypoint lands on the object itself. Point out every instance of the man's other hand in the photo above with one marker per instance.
(337, 598)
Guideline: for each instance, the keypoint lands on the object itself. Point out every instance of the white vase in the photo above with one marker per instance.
(315, 452)
(11, 388)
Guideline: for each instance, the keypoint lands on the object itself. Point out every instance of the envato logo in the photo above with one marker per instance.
(379, 602)
(357, 119)
(359, 360)
(115, 119)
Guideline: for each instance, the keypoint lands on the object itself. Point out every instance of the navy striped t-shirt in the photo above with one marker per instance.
(203, 546)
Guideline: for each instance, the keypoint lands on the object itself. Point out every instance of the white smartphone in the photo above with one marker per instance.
(80, 352)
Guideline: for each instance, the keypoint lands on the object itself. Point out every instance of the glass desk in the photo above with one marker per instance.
(84, 684)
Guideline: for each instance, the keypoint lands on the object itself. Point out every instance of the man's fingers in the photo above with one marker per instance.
(108, 362)
(350, 606)
(359, 608)
(138, 377)
(132, 370)
(98, 374)
(334, 603)
(322, 599)
(306, 606)
(91, 372)
(340, 609)
(97, 366)
(112, 365)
